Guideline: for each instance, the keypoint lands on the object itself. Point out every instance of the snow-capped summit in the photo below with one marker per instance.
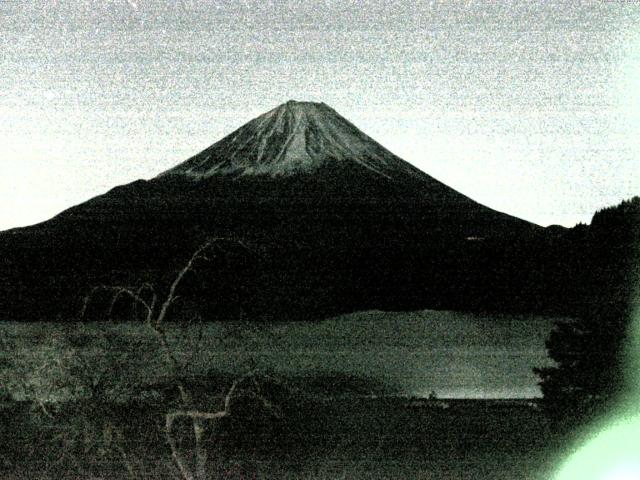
(293, 138)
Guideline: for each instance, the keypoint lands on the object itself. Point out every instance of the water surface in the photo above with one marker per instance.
(452, 354)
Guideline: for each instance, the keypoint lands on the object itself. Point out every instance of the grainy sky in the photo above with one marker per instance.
(532, 108)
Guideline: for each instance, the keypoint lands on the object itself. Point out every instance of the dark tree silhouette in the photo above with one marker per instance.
(589, 350)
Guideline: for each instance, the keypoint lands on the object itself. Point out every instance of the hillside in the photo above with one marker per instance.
(334, 221)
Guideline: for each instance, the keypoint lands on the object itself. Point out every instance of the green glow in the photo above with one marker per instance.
(612, 454)
(612, 450)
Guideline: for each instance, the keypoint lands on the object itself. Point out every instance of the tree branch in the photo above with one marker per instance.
(117, 293)
(155, 318)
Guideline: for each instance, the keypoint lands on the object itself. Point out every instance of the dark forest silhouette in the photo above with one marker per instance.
(590, 349)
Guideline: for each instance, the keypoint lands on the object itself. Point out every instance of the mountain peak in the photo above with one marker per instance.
(293, 138)
(302, 104)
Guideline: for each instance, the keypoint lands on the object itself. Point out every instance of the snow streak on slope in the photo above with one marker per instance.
(294, 138)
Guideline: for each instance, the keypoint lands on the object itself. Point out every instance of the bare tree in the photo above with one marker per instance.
(155, 309)
(49, 377)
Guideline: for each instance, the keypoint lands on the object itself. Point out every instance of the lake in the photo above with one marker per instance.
(455, 355)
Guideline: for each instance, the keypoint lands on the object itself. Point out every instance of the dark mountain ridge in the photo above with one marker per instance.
(336, 223)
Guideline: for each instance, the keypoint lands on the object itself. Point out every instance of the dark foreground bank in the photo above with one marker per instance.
(354, 438)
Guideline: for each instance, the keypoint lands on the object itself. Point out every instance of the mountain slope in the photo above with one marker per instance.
(294, 138)
(337, 222)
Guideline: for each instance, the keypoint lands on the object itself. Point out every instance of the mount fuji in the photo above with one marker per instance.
(336, 221)
(294, 138)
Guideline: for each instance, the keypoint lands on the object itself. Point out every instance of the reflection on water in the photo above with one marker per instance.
(451, 354)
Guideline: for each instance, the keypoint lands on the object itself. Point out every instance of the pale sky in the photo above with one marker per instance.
(531, 108)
